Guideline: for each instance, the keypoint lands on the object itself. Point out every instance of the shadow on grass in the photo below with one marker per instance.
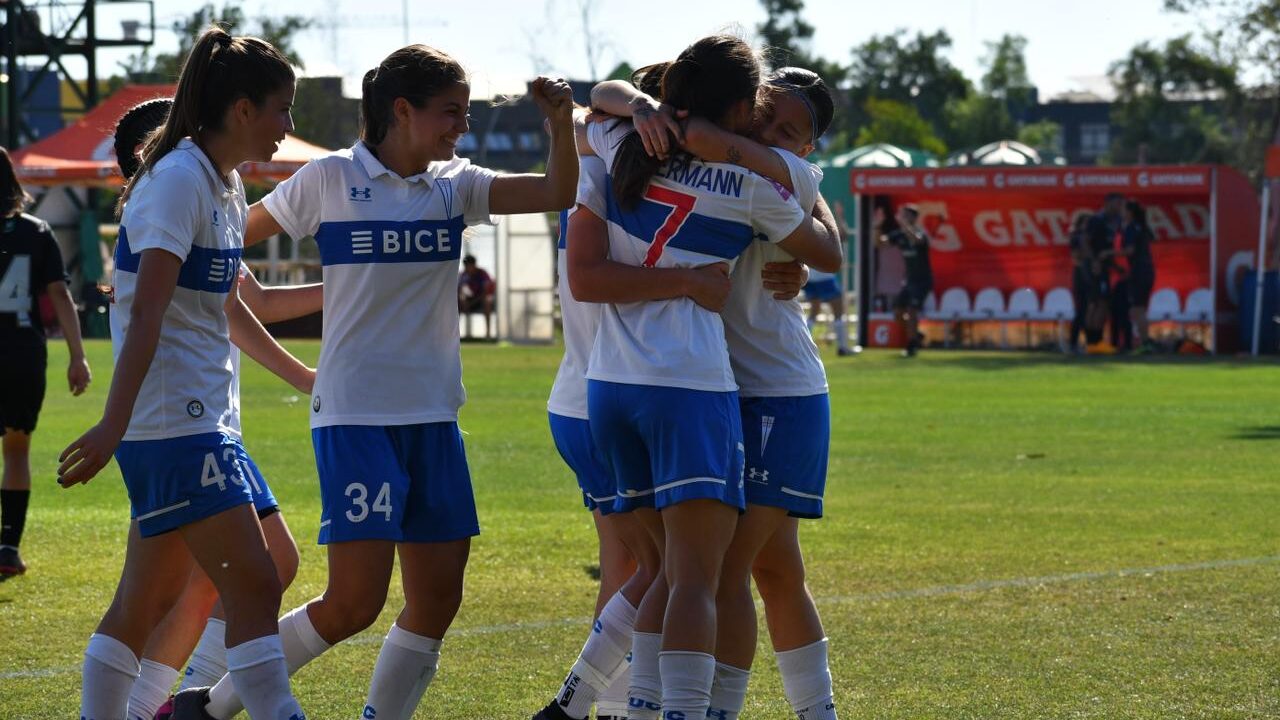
(1262, 432)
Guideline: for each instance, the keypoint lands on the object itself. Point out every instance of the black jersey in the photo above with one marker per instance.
(915, 255)
(29, 261)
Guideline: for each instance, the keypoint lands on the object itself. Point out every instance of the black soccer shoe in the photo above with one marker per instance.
(552, 711)
(186, 705)
(11, 562)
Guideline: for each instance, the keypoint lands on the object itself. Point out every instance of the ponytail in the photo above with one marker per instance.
(220, 70)
(708, 79)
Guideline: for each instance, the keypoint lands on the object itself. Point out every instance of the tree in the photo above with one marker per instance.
(900, 124)
(1006, 78)
(1174, 104)
(787, 40)
(909, 70)
(165, 67)
(977, 120)
(1042, 135)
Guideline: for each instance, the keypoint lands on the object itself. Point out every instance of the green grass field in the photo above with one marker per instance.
(1012, 536)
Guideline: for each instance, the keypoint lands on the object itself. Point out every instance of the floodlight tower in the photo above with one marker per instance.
(56, 30)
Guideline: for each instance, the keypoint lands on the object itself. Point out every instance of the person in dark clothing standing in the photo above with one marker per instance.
(1102, 232)
(1080, 278)
(1136, 250)
(30, 266)
(912, 240)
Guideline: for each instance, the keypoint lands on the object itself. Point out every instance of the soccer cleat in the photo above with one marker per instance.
(11, 562)
(552, 711)
(186, 705)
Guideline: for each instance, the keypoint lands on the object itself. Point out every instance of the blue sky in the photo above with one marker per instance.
(504, 42)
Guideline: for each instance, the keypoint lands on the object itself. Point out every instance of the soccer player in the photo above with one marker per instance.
(785, 412)
(168, 414)
(911, 239)
(825, 288)
(30, 267)
(388, 215)
(661, 396)
(197, 620)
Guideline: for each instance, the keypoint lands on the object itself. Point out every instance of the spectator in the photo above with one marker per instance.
(475, 292)
(1136, 249)
(1103, 230)
(912, 240)
(1081, 285)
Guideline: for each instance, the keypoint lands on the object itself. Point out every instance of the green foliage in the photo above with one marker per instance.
(900, 124)
(165, 67)
(1006, 76)
(1150, 82)
(909, 70)
(787, 38)
(978, 509)
(1042, 135)
(622, 72)
(976, 120)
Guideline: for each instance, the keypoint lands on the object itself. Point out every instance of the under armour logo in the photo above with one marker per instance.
(766, 429)
(369, 713)
(361, 194)
(758, 476)
(721, 714)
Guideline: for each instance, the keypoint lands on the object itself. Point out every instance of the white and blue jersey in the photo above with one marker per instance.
(389, 356)
(662, 396)
(567, 406)
(782, 382)
(181, 456)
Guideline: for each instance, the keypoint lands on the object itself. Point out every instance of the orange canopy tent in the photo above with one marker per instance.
(83, 153)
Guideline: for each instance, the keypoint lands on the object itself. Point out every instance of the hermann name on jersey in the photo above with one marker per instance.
(715, 179)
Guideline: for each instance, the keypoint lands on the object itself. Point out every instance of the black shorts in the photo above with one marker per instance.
(1140, 285)
(912, 296)
(22, 380)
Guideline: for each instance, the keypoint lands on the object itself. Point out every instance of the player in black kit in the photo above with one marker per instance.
(30, 266)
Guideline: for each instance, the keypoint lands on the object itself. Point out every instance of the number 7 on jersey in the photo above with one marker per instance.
(681, 206)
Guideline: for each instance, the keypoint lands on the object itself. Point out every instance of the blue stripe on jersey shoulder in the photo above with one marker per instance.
(358, 242)
(564, 229)
(700, 233)
(211, 270)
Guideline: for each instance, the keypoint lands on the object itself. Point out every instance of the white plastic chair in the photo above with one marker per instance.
(988, 304)
(1024, 305)
(930, 310)
(1059, 307)
(952, 308)
(1199, 311)
(1164, 306)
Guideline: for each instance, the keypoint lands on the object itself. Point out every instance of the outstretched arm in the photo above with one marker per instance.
(555, 189)
(274, 304)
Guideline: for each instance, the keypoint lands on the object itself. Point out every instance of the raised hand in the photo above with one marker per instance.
(554, 98)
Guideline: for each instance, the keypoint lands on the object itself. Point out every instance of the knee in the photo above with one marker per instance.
(351, 609)
(286, 560)
(773, 579)
(444, 597)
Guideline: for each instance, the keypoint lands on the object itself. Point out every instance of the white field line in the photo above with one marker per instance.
(375, 638)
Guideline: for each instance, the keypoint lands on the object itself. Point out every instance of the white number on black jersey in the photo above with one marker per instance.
(15, 289)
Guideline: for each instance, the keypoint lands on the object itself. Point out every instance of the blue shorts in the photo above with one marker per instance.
(573, 439)
(404, 483)
(176, 481)
(824, 290)
(664, 446)
(787, 441)
(263, 499)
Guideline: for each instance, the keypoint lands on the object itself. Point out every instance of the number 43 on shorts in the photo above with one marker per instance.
(360, 508)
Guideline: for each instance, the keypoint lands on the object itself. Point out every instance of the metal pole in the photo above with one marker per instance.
(1261, 265)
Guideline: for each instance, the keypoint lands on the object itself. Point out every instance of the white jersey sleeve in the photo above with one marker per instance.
(605, 137)
(474, 185)
(774, 210)
(592, 177)
(168, 216)
(295, 203)
(805, 178)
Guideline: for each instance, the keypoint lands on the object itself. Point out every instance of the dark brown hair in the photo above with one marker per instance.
(707, 79)
(13, 197)
(416, 73)
(219, 71)
(648, 79)
(812, 91)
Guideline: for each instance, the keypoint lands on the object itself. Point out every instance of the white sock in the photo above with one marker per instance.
(842, 334)
(686, 684)
(603, 657)
(728, 692)
(257, 668)
(110, 669)
(613, 701)
(644, 699)
(151, 689)
(301, 644)
(209, 660)
(406, 664)
(806, 679)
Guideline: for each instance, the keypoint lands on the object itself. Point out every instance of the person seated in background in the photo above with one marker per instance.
(825, 288)
(475, 292)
